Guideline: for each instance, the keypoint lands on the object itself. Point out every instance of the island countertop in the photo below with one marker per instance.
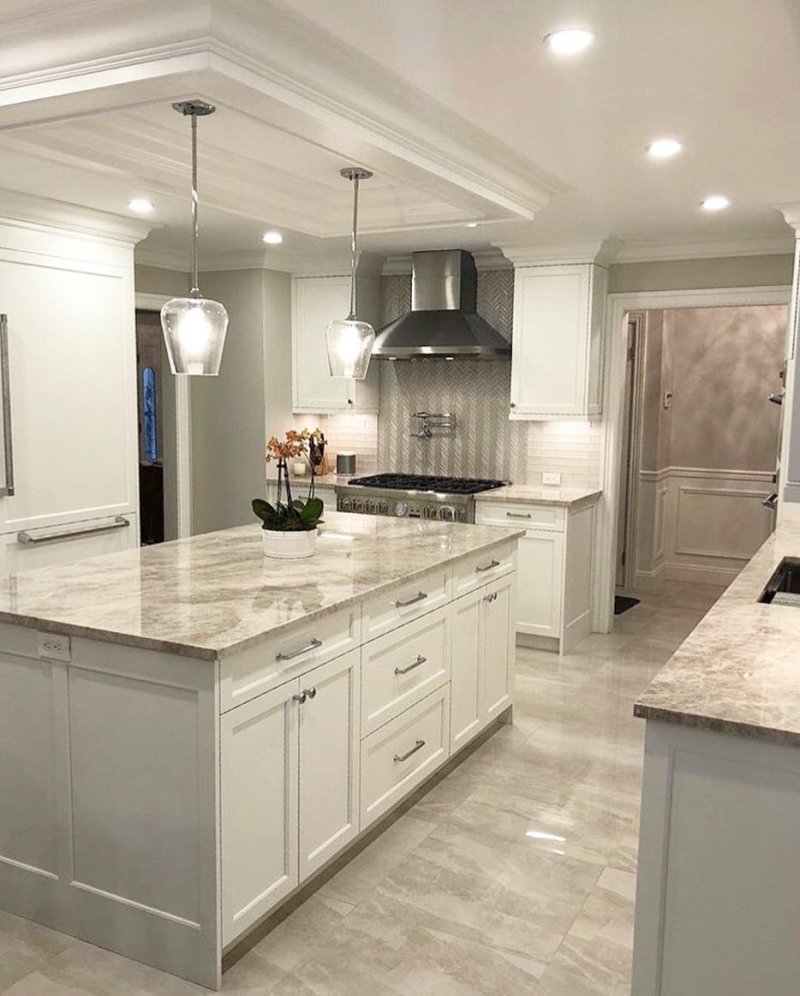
(739, 670)
(209, 595)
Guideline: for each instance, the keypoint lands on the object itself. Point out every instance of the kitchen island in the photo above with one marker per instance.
(191, 731)
(718, 893)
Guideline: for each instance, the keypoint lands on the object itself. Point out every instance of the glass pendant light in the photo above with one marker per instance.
(194, 327)
(349, 340)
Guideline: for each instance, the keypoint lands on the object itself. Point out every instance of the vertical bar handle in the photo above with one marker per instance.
(5, 385)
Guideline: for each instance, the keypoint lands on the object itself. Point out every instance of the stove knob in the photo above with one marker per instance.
(448, 512)
(401, 509)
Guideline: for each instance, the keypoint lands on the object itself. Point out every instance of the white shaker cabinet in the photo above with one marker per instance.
(553, 604)
(316, 301)
(557, 356)
(481, 678)
(70, 389)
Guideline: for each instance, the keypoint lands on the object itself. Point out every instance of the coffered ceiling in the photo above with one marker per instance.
(455, 104)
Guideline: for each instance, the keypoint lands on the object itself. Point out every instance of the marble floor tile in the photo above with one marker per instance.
(513, 875)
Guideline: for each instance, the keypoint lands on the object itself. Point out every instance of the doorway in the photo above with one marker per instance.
(699, 442)
(158, 496)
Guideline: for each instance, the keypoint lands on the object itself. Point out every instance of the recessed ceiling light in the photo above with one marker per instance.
(272, 238)
(471, 224)
(569, 41)
(664, 148)
(715, 202)
(140, 205)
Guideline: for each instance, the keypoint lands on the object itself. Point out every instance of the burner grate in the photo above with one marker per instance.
(425, 482)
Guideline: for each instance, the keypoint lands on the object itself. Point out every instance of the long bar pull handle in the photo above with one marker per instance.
(519, 515)
(404, 757)
(5, 385)
(313, 645)
(26, 538)
(417, 663)
(488, 567)
(419, 597)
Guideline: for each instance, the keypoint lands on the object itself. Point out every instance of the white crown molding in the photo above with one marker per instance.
(791, 215)
(162, 259)
(42, 212)
(647, 252)
(600, 251)
(329, 265)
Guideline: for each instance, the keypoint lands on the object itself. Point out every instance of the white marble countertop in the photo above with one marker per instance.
(739, 670)
(539, 494)
(208, 595)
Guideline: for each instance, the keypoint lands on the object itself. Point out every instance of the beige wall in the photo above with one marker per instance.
(154, 280)
(230, 413)
(726, 362)
(691, 274)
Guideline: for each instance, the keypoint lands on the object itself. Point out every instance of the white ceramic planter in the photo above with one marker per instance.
(289, 546)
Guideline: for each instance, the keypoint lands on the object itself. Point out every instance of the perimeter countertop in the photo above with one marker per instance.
(209, 595)
(739, 670)
(539, 494)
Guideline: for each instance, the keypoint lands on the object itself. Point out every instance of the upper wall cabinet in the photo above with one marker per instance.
(315, 302)
(557, 355)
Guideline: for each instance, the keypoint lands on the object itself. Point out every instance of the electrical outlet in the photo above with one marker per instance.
(551, 477)
(53, 647)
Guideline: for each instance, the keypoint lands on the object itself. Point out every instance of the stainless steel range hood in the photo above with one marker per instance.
(442, 322)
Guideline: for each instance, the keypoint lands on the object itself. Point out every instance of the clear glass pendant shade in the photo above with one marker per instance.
(350, 341)
(194, 333)
(349, 347)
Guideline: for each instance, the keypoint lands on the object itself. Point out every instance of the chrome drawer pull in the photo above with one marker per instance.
(488, 567)
(490, 598)
(404, 757)
(300, 699)
(314, 645)
(519, 515)
(404, 670)
(411, 601)
(25, 538)
(310, 692)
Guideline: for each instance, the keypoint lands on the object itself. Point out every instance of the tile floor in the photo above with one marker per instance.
(514, 875)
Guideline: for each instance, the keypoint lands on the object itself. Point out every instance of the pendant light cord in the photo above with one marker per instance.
(195, 292)
(353, 253)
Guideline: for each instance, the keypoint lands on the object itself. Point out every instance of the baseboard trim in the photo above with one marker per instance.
(701, 574)
(537, 642)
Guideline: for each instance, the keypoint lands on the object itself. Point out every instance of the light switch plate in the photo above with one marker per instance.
(551, 477)
(53, 647)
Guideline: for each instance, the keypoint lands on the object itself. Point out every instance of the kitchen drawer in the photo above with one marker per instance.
(402, 667)
(401, 754)
(531, 516)
(255, 670)
(481, 568)
(55, 546)
(401, 604)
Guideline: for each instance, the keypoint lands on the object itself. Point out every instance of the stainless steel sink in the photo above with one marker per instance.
(783, 588)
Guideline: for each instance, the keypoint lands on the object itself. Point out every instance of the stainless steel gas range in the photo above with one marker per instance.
(413, 495)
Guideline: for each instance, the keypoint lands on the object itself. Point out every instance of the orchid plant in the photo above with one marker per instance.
(290, 514)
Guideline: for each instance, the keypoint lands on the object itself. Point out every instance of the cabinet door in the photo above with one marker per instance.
(540, 584)
(497, 671)
(72, 388)
(259, 807)
(316, 301)
(465, 695)
(329, 760)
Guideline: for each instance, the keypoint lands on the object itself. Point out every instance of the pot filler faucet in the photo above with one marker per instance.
(428, 421)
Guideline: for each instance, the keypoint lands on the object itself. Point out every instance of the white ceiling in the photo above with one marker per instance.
(722, 76)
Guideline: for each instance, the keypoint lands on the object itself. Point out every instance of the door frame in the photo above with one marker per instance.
(183, 427)
(617, 308)
(639, 320)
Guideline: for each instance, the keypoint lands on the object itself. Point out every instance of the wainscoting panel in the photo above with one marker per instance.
(699, 524)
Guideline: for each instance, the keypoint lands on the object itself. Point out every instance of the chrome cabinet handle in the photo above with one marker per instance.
(771, 501)
(404, 757)
(311, 693)
(491, 597)
(5, 384)
(411, 601)
(300, 698)
(417, 663)
(519, 515)
(26, 538)
(488, 567)
(313, 645)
